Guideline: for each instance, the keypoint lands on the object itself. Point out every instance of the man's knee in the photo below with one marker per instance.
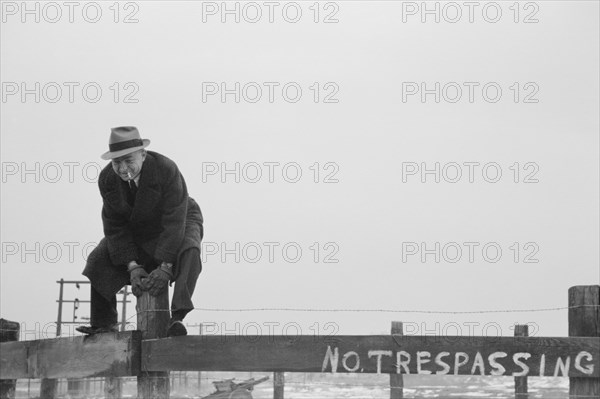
(190, 265)
(195, 260)
(99, 255)
(104, 276)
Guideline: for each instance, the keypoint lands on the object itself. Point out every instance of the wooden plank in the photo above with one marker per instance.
(13, 360)
(584, 321)
(521, 330)
(396, 380)
(9, 331)
(115, 354)
(510, 356)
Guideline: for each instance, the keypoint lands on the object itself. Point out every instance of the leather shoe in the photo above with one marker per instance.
(176, 329)
(91, 330)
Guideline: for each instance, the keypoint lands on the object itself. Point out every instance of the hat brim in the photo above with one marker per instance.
(116, 154)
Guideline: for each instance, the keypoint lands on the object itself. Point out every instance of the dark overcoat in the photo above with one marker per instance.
(163, 222)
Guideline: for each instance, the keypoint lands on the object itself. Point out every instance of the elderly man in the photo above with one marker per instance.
(152, 233)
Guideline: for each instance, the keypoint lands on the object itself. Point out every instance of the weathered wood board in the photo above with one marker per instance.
(110, 354)
(509, 356)
(9, 331)
(124, 354)
(584, 321)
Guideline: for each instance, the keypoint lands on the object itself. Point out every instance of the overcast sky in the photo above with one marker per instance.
(335, 122)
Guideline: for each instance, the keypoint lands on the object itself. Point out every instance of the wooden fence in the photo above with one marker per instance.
(149, 356)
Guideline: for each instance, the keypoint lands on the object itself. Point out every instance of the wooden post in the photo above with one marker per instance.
(113, 388)
(396, 380)
(9, 331)
(199, 381)
(48, 388)
(521, 330)
(199, 372)
(584, 321)
(124, 309)
(278, 384)
(74, 387)
(153, 321)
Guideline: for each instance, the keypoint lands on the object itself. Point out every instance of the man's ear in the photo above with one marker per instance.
(143, 155)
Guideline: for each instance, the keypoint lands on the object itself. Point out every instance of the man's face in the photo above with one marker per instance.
(129, 166)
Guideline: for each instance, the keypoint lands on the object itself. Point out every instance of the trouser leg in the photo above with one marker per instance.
(103, 312)
(187, 274)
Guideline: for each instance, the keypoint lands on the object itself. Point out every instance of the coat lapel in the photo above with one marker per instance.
(148, 195)
(116, 194)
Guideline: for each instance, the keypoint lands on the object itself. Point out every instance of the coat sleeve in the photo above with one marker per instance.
(175, 201)
(121, 247)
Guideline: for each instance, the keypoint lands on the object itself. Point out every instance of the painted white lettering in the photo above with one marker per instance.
(379, 354)
(402, 363)
(497, 368)
(524, 368)
(478, 363)
(585, 370)
(422, 358)
(331, 357)
(347, 356)
(440, 362)
(542, 365)
(458, 362)
(562, 366)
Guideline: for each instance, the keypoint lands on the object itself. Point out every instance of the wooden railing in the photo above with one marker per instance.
(150, 357)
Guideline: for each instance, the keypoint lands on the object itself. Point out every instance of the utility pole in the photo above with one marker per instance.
(76, 302)
(124, 308)
(60, 299)
(113, 386)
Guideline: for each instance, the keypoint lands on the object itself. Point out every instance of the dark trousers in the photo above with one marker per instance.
(104, 311)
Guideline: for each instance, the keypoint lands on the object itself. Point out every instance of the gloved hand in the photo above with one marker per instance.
(157, 281)
(136, 276)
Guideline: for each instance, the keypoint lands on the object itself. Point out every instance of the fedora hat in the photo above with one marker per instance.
(124, 140)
